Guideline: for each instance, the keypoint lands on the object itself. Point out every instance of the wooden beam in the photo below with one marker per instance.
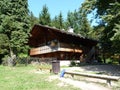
(70, 50)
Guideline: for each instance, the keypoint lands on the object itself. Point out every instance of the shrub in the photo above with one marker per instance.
(72, 63)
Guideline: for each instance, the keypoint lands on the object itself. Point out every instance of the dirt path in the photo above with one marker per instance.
(83, 85)
(78, 84)
(113, 70)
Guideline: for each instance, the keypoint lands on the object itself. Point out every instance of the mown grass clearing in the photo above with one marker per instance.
(25, 78)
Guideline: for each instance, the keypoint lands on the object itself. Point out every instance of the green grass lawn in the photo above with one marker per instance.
(25, 78)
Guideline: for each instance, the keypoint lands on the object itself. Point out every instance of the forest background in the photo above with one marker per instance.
(16, 21)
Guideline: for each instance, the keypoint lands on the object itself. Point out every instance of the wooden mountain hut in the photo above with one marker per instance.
(49, 42)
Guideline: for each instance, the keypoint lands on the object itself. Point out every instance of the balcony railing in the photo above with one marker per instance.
(48, 49)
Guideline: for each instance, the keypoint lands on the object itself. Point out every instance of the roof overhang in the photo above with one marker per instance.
(42, 34)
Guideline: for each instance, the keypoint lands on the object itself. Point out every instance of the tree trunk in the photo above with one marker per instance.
(104, 58)
(119, 59)
(11, 59)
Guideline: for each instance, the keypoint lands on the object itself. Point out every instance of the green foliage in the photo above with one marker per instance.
(4, 60)
(58, 21)
(4, 44)
(33, 20)
(70, 19)
(87, 7)
(14, 25)
(111, 34)
(84, 27)
(72, 63)
(78, 21)
(44, 16)
(97, 32)
(54, 22)
(108, 29)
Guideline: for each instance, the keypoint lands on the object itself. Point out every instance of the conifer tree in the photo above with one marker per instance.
(14, 23)
(58, 22)
(108, 11)
(54, 22)
(44, 16)
(33, 20)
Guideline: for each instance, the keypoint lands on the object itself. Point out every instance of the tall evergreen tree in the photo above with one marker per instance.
(60, 21)
(70, 20)
(33, 20)
(76, 24)
(85, 27)
(54, 22)
(44, 16)
(78, 21)
(4, 44)
(109, 13)
(15, 25)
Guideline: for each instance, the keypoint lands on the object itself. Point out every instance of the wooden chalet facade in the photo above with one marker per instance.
(48, 42)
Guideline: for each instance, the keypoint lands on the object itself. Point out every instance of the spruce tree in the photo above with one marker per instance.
(108, 13)
(72, 21)
(54, 22)
(44, 16)
(33, 20)
(60, 21)
(15, 25)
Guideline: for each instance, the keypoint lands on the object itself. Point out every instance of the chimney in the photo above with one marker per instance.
(70, 30)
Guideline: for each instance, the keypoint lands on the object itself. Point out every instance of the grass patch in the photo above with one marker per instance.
(117, 86)
(44, 66)
(25, 78)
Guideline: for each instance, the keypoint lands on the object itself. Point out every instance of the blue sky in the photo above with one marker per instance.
(54, 6)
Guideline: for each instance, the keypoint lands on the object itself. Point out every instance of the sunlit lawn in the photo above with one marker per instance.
(25, 78)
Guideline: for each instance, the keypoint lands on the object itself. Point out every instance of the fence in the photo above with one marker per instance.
(30, 60)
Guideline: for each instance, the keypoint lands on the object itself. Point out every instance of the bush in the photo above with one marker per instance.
(8, 61)
(72, 63)
(4, 60)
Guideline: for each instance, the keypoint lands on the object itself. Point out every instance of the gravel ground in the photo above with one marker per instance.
(113, 70)
(78, 84)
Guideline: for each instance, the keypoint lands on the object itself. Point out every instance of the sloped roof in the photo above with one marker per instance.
(41, 34)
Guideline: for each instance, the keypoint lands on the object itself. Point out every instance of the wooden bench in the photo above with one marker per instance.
(104, 77)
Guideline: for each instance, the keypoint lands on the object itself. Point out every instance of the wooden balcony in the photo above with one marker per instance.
(40, 50)
(48, 49)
